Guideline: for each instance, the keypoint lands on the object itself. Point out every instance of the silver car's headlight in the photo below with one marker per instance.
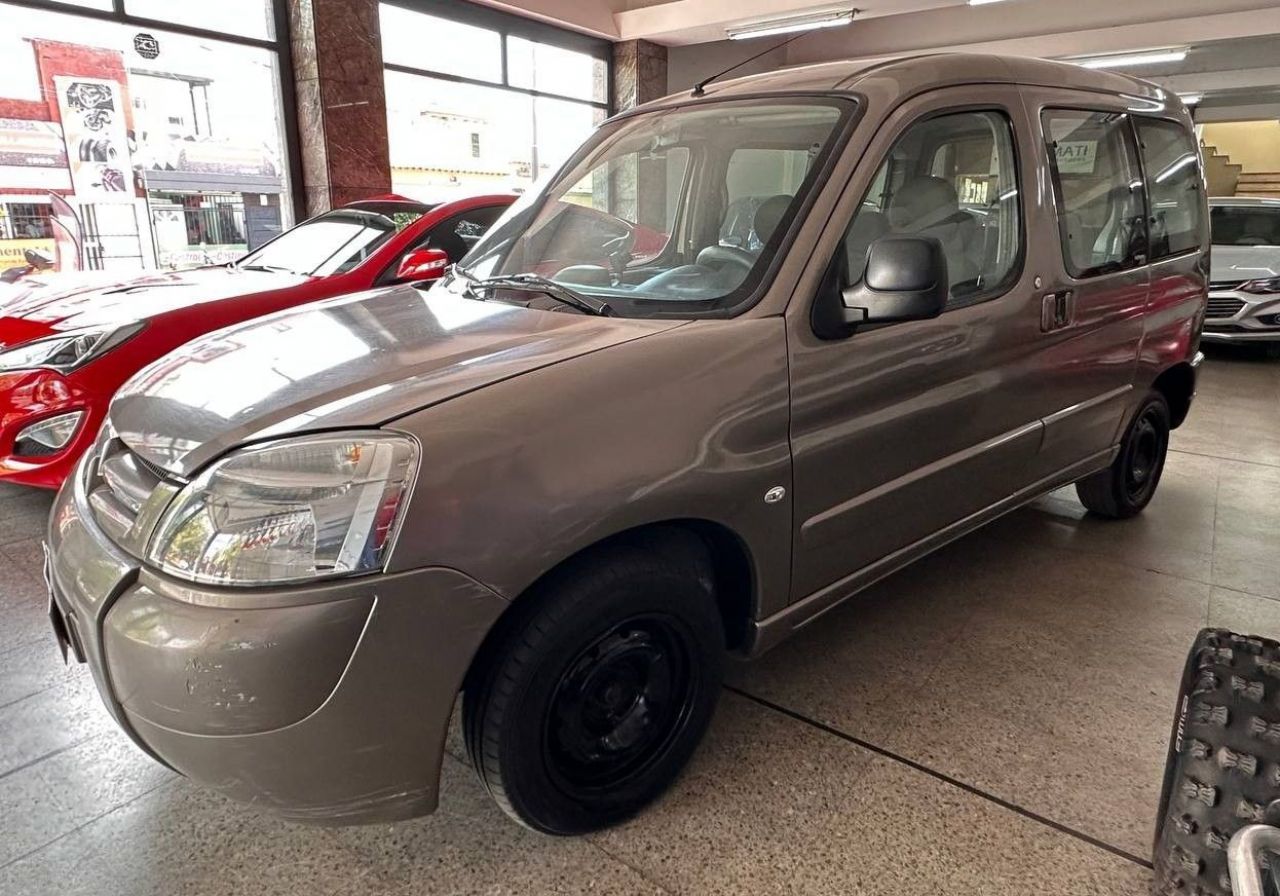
(67, 350)
(297, 509)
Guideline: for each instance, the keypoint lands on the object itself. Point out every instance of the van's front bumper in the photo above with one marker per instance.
(326, 703)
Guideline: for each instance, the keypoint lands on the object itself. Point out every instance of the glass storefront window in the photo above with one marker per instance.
(451, 139)
(249, 18)
(419, 40)
(555, 70)
(123, 154)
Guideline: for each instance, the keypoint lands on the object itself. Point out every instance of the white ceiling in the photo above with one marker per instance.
(683, 22)
(1235, 55)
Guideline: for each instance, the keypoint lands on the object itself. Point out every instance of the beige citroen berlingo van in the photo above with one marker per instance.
(749, 351)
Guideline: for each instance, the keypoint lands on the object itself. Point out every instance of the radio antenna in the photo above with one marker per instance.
(698, 88)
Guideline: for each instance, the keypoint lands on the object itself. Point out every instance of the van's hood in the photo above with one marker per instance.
(357, 361)
(1236, 264)
(50, 303)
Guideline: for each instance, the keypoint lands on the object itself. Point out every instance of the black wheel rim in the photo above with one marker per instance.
(619, 705)
(1145, 456)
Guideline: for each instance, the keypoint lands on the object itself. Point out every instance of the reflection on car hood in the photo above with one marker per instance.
(1235, 264)
(352, 362)
(50, 303)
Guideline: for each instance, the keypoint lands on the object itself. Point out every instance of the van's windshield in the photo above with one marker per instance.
(677, 210)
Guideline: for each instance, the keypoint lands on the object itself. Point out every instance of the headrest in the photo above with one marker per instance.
(769, 216)
(927, 199)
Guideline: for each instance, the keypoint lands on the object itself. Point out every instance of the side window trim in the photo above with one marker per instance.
(1129, 138)
(1014, 274)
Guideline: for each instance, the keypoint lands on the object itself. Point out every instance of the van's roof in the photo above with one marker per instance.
(915, 74)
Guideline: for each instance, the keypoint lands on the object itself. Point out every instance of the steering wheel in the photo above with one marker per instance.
(726, 256)
(618, 250)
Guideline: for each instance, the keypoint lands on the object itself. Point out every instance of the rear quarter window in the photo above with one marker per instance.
(1175, 187)
(1098, 190)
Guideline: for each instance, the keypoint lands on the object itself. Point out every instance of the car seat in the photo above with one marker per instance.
(929, 206)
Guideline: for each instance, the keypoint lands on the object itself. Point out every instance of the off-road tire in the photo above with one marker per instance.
(1223, 769)
(1111, 493)
(513, 714)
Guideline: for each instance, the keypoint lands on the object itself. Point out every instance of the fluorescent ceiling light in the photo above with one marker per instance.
(822, 18)
(1124, 60)
(983, 2)
(1191, 99)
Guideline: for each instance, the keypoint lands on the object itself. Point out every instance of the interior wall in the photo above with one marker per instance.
(1252, 144)
(688, 65)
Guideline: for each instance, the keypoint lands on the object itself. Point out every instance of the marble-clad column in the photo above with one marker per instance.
(639, 189)
(639, 73)
(342, 106)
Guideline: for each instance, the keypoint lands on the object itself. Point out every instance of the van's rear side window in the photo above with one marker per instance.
(1098, 187)
(1175, 185)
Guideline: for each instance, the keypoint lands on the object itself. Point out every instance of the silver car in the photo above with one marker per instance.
(1244, 298)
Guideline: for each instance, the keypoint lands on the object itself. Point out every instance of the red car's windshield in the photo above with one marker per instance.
(333, 243)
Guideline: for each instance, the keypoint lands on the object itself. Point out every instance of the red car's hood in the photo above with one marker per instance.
(47, 304)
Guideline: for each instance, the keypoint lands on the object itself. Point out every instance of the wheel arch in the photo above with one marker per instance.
(1178, 386)
(730, 559)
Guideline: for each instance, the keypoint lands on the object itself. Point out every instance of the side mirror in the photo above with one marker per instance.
(906, 279)
(422, 264)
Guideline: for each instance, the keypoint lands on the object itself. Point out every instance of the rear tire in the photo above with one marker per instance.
(1126, 487)
(597, 690)
(1223, 769)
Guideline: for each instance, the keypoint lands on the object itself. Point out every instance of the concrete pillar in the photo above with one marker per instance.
(342, 106)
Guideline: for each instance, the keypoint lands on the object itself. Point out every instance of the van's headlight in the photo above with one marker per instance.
(287, 511)
(67, 350)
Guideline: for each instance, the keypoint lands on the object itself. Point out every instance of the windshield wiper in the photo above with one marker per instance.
(268, 268)
(536, 283)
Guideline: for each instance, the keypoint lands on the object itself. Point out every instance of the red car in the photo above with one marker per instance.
(66, 345)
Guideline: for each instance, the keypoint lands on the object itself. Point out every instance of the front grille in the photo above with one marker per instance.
(1227, 285)
(118, 484)
(1224, 306)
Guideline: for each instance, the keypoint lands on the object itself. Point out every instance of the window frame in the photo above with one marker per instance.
(1135, 260)
(507, 26)
(1014, 275)
(1205, 236)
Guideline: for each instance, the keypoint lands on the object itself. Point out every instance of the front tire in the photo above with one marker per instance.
(1223, 769)
(1126, 487)
(596, 692)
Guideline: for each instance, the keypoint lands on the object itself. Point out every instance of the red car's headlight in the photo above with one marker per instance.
(66, 351)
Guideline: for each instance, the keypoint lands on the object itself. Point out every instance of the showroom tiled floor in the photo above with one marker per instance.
(991, 721)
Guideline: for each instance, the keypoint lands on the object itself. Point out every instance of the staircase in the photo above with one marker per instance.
(1259, 184)
(1223, 176)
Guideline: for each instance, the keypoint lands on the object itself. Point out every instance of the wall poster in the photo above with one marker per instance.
(93, 123)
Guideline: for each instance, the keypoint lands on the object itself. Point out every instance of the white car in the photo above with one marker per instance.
(1244, 296)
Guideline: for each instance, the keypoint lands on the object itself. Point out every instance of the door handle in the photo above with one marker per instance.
(1057, 310)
